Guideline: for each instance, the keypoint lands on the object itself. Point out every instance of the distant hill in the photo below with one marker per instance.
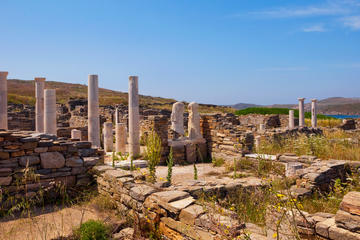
(330, 106)
(240, 106)
(23, 91)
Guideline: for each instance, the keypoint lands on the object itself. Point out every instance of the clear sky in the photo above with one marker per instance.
(209, 51)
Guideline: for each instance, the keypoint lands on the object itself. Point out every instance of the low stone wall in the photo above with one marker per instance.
(174, 208)
(31, 163)
(224, 134)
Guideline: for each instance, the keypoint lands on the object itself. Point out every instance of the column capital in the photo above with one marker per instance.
(301, 99)
(314, 100)
(39, 79)
(4, 74)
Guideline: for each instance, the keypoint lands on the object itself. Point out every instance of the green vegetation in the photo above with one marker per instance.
(195, 172)
(153, 153)
(281, 111)
(92, 230)
(170, 164)
(217, 162)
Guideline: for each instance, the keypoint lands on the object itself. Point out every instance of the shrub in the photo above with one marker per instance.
(153, 153)
(92, 230)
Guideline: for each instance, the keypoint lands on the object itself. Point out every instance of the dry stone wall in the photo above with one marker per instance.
(30, 163)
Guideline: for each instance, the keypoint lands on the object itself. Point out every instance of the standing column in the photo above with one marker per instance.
(50, 111)
(291, 120)
(3, 101)
(108, 137)
(257, 142)
(314, 113)
(134, 131)
(121, 136)
(93, 111)
(301, 112)
(116, 116)
(39, 106)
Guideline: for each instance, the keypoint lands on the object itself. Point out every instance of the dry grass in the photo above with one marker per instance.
(332, 145)
(328, 123)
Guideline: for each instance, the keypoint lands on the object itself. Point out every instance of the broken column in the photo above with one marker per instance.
(39, 106)
(121, 136)
(108, 137)
(3, 101)
(301, 112)
(76, 134)
(50, 111)
(262, 127)
(313, 113)
(291, 120)
(117, 116)
(257, 142)
(93, 111)
(134, 128)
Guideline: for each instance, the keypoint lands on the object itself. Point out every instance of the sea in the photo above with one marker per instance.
(344, 116)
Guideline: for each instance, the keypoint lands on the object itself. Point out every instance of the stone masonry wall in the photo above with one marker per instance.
(30, 163)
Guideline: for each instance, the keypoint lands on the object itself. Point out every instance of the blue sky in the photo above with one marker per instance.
(209, 51)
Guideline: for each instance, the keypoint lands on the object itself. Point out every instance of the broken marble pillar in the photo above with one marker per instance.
(93, 111)
(262, 127)
(301, 112)
(134, 127)
(3, 101)
(314, 113)
(108, 137)
(121, 136)
(291, 120)
(39, 105)
(76, 134)
(50, 111)
(177, 120)
(194, 121)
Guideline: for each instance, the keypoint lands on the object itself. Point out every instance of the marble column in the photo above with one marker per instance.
(291, 120)
(39, 105)
(50, 111)
(257, 142)
(301, 112)
(134, 128)
(3, 101)
(76, 134)
(117, 120)
(93, 111)
(121, 136)
(108, 137)
(314, 113)
(262, 127)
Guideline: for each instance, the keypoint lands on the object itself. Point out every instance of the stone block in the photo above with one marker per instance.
(52, 160)
(4, 155)
(91, 161)
(41, 149)
(5, 181)
(74, 162)
(351, 203)
(189, 214)
(140, 192)
(336, 233)
(29, 160)
(348, 221)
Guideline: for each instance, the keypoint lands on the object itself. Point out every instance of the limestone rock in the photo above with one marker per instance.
(348, 221)
(5, 181)
(351, 203)
(52, 160)
(29, 160)
(189, 214)
(74, 162)
(140, 192)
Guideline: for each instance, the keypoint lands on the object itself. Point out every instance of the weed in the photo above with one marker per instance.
(218, 162)
(195, 172)
(92, 230)
(170, 164)
(153, 153)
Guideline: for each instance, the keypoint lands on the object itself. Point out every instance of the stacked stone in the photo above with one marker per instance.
(160, 125)
(224, 136)
(348, 124)
(174, 208)
(21, 117)
(49, 161)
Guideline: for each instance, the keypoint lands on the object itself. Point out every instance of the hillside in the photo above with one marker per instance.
(330, 106)
(23, 91)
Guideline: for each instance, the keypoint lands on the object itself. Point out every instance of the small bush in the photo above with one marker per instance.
(92, 230)
(218, 162)
(153, 153)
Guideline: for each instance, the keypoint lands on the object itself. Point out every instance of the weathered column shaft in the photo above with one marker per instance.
(314, 113)
(121, 136)
(291, 119)
(3, 101)
(76, 134)
(50, 111)
(93, 111)
(39, 106)
(257, 142)
(108, 137)
(134, 128)
(262, 127)
(116, 116)
(301, 112)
